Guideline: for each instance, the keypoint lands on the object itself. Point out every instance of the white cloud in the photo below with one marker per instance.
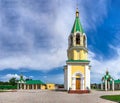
(41, 61)
(39, 36)
(99, 67)
(22, 50)
(7, 77)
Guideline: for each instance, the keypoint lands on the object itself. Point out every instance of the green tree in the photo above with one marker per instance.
(12, 81)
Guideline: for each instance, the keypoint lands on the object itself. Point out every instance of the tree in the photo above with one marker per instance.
(12, 81)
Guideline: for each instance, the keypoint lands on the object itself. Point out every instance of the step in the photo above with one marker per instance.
(78, 91)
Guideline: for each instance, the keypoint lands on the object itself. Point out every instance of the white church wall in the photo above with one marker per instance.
(87, 71)
(69, 77)
(65, 78)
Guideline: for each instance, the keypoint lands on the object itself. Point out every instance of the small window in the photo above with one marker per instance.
(78, 38)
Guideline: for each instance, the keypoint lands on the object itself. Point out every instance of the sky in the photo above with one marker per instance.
(34, 37)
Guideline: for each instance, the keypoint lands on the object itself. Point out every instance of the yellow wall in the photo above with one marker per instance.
(50, 86)
(77, 55)
(43, 87)
(77, 68)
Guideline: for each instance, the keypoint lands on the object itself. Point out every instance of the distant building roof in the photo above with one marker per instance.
(117, 81)
(34, 82)
(29, 81)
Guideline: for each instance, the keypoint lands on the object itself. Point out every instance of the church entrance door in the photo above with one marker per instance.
(78, 83)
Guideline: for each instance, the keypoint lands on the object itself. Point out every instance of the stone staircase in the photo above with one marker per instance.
(78, 91)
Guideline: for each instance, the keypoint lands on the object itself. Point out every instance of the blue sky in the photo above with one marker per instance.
(34, 37)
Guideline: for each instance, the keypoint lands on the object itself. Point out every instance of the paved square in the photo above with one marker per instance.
(39, 96)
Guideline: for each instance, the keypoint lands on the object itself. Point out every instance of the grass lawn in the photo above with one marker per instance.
(115, 98)
(2, 91)
(5, 90)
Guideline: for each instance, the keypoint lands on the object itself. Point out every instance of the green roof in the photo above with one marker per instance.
(107, 76)
(77, 61)
(21, 79)
(77, 27)
(34, 82)
(117, 81)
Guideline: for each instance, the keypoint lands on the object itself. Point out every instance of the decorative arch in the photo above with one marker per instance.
(78, 73)
(75, 79)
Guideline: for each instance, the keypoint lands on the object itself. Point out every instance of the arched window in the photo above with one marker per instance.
(84, 41)
(78, 38)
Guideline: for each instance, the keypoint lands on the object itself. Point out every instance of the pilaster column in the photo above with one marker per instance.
(69, 77)
(36, 86)
(73, 83)
(24, 86)
(82, 84)
(74, 40)
(32, 86)
(109, 85)
(105, 85)
(113, 85)
(28, 87)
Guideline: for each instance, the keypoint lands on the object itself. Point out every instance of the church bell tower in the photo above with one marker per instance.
(77, 69)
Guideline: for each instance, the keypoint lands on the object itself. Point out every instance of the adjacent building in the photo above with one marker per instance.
(117, 84)
(34, 84)
(107, 82)
(30, 84)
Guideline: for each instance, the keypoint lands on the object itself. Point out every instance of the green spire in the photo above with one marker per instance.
(21, 78)
(77, 25)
